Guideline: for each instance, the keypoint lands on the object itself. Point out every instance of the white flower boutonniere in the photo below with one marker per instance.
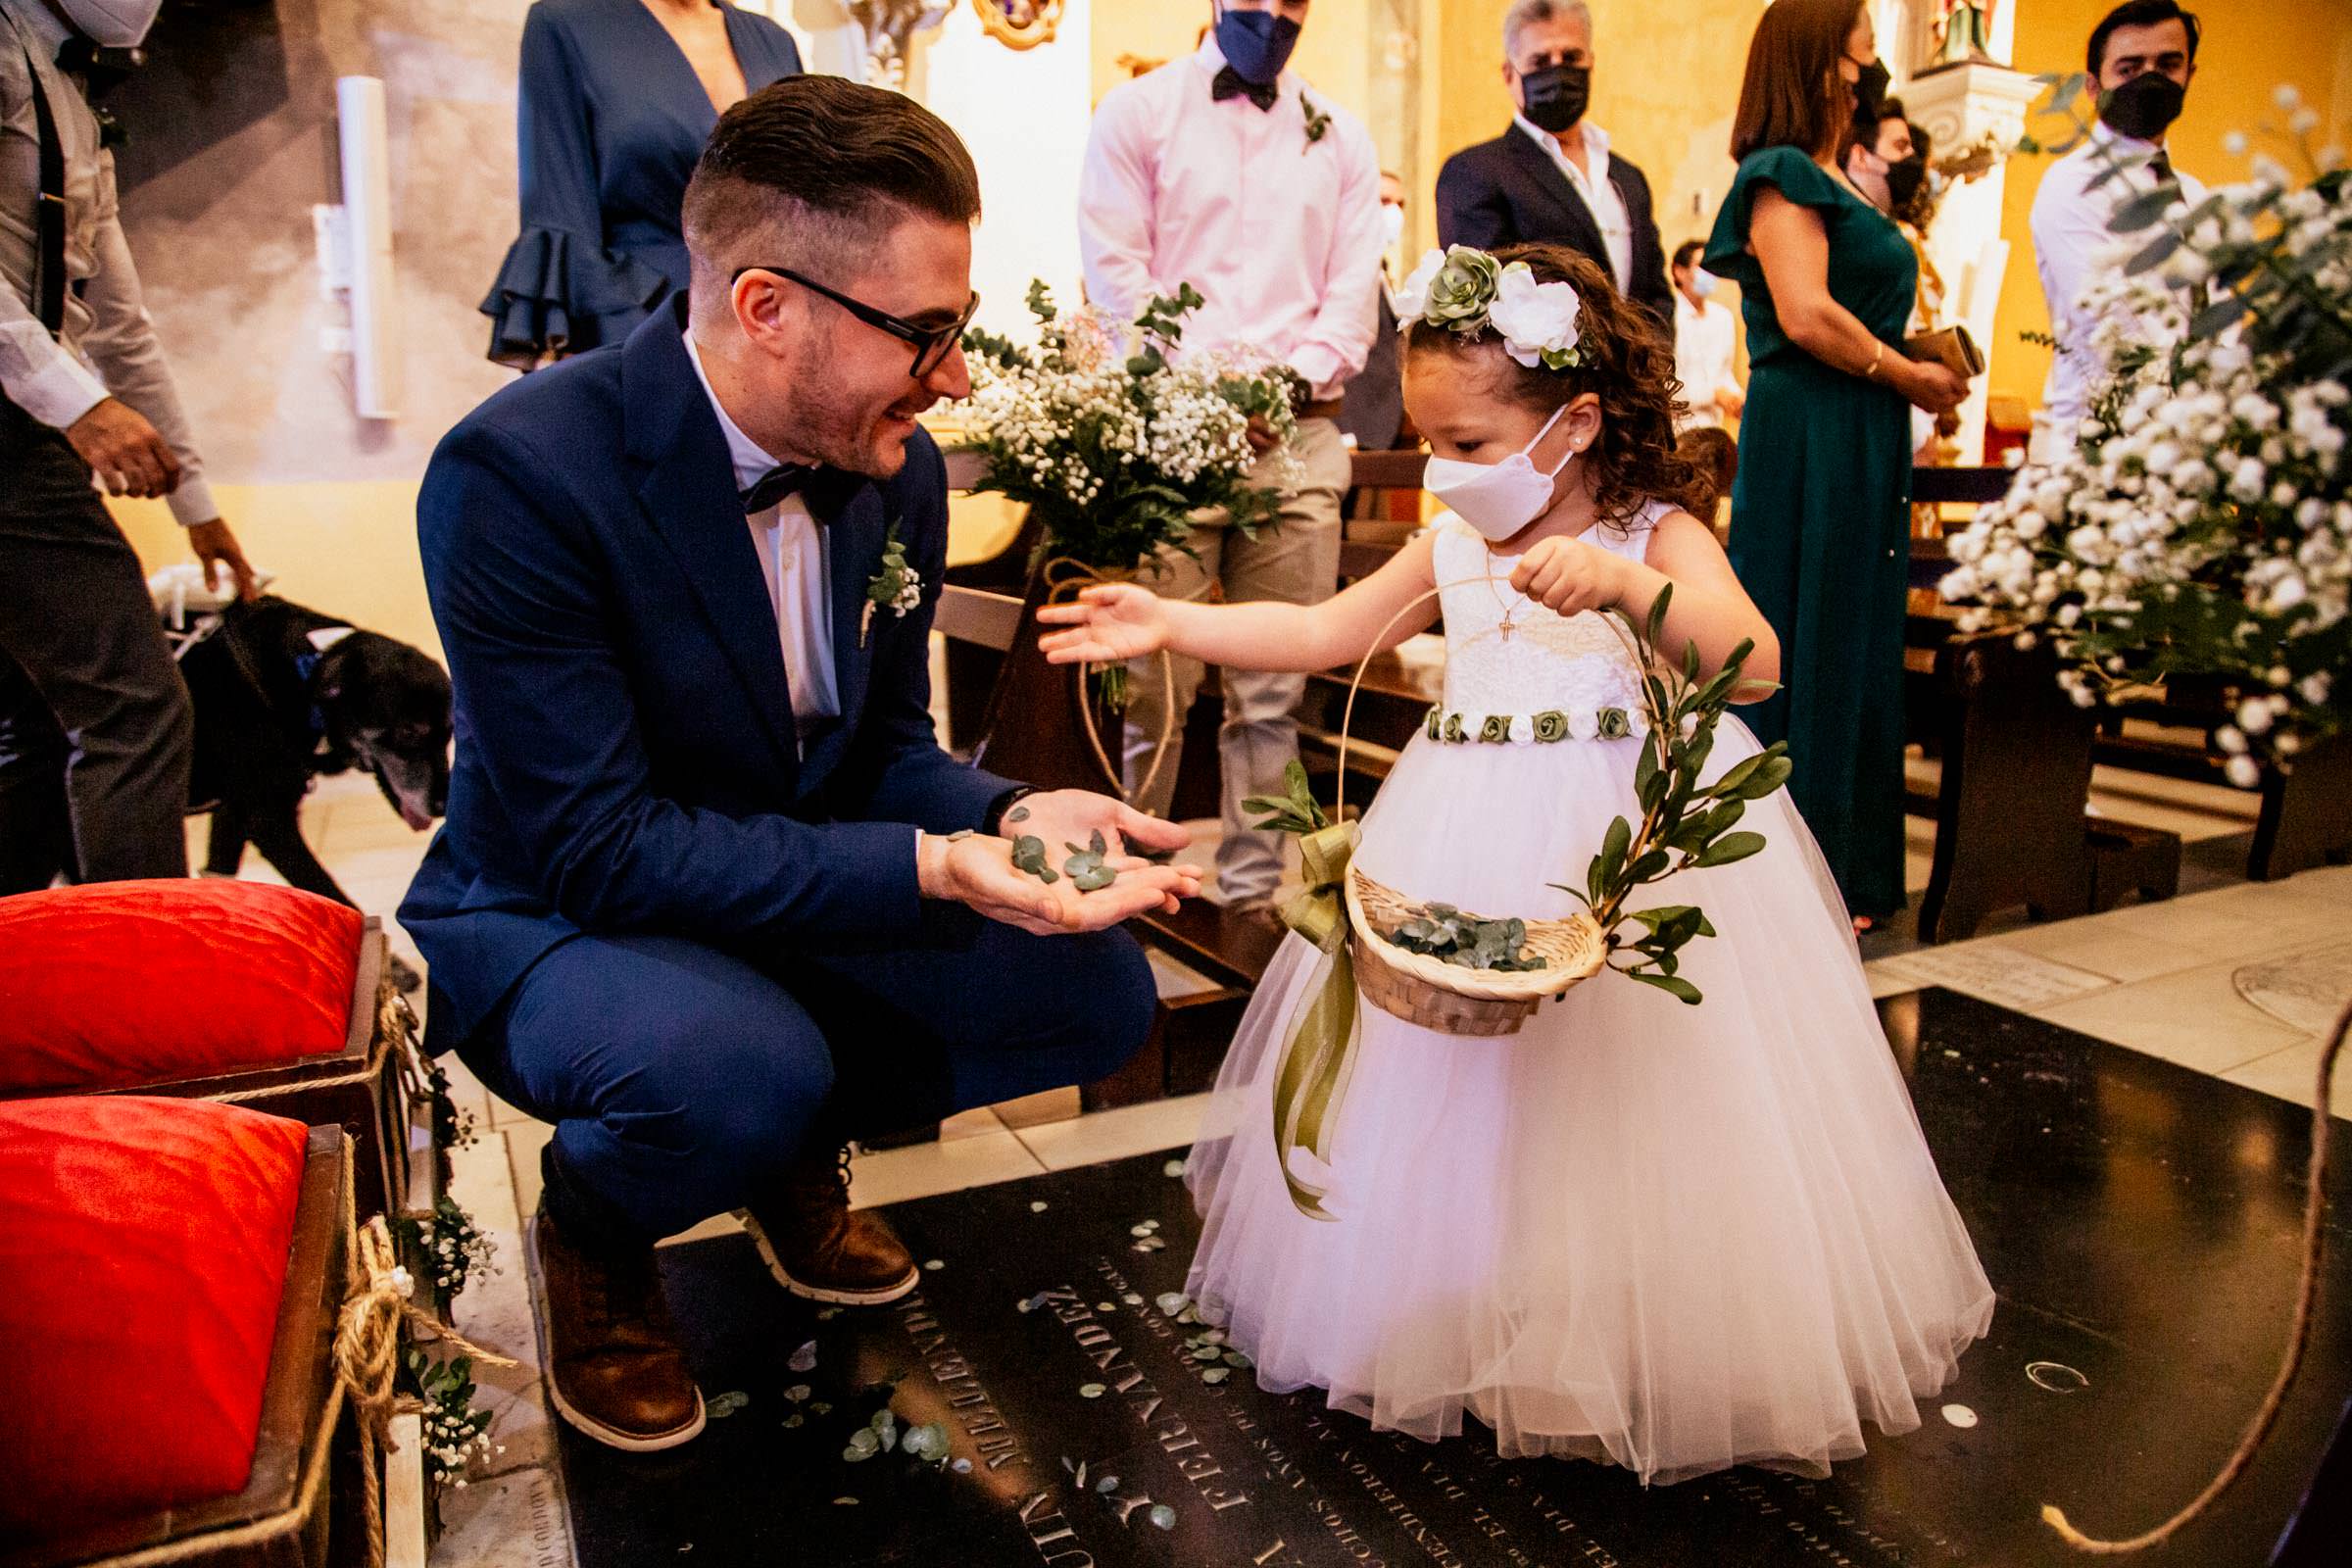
(897, 587)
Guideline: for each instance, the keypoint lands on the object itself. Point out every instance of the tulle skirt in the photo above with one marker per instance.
(1672, 1238)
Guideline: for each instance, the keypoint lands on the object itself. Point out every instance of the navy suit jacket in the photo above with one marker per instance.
(1508, 191)
(626, 754)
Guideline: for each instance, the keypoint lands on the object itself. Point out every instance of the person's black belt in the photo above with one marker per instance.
(49, 256)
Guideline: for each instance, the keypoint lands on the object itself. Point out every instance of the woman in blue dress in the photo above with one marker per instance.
(618, 97)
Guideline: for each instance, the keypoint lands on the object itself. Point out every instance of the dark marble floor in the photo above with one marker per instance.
(2140, 1220)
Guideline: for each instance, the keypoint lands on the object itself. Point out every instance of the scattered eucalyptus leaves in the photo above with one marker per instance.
(1085, 867)
(1029, 855)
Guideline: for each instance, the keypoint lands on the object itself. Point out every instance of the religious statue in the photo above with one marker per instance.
(1963, 31)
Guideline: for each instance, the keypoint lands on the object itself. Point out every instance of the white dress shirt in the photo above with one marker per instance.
(1703, 343)
(1280, 235)
(106, 321)
(794, 556)
(1597, 190)
(2073, 246)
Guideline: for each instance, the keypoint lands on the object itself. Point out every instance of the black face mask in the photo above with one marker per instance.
(2144, 105)
(1558, 95)
(1871, 90)
(1904, 182)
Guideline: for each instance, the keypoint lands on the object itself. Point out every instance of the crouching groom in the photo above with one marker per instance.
(701, 900)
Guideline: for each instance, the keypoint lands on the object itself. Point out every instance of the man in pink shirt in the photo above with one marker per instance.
(1225, 171)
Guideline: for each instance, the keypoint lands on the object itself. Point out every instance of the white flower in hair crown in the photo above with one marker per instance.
(1467, 290)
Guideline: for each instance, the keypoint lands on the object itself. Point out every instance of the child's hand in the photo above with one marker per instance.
(1110, 624)
(1568, 575)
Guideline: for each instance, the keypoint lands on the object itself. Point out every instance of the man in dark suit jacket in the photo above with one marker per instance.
(709, 897)
(1552, 176)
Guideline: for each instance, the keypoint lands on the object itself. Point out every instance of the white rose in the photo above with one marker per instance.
(1523, 730)
(1584, 723)
(1412, 296)
(1535, 318)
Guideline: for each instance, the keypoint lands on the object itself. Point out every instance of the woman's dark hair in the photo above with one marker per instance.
(1688, 252)
(823, 168)
(1790, 96)
(2138, 13)
(1628, 364)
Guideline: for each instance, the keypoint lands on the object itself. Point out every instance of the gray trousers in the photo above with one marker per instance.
(95, 730)
(1297, 563)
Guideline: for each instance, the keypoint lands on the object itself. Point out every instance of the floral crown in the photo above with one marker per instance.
(1467, 291)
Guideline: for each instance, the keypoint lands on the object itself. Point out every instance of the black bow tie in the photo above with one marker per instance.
(1230, 83)
(789, 479)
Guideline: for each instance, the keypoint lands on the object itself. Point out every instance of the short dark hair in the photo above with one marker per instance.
(1785, 98)
(823, 165)
(2138, 13)
(1689, 252)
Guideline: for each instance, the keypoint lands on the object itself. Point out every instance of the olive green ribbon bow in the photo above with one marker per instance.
(1312, 1075)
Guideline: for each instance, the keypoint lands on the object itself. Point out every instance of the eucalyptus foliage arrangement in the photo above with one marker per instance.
(2200, 521)
(1115, 439)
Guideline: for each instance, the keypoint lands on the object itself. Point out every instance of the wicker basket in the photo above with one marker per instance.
(1450, 998)
(1447, 997)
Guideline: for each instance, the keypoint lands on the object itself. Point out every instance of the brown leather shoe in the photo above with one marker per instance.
(614, 1366)
(817, 1248)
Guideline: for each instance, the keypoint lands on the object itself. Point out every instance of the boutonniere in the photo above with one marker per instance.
(897, 587)
(1318, 123)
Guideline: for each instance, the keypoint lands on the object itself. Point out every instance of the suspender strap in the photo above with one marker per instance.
(49, 275)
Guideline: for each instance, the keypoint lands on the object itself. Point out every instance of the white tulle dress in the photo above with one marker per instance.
(1672, 1238)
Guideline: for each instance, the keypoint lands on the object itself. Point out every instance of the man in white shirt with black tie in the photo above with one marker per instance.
(2142, 58)
(1224, 170)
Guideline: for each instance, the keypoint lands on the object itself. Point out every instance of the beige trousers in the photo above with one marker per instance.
(1297, 562)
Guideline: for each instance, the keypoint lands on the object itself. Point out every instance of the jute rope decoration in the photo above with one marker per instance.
(367, 1357)
(1356, 920)
(2290, 1360)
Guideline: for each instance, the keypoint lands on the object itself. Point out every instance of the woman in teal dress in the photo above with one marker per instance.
(1820, 512)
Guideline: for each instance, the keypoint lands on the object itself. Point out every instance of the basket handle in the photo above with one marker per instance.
(1355, 685)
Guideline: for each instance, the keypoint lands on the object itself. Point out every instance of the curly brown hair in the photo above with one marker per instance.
(1627, 362)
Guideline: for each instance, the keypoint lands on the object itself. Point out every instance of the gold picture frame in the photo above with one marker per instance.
(1019, 24)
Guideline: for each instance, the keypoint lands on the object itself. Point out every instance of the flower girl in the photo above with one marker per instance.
(1674, 1237)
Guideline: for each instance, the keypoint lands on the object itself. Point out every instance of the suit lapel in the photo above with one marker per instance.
(1583, 232)
(855, 524)
(687, 492)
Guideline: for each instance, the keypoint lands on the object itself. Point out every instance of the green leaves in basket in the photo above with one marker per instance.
(1685, 824)
(1293, 812)
(1445, 932)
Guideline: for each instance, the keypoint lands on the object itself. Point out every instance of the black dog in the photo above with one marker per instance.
(283, 694)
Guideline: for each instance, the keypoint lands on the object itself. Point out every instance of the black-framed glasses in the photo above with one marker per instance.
(930, 343)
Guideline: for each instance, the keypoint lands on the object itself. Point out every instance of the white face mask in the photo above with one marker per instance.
(1497, 499)
(114, 23)
(1703, 283)
(1392, 226)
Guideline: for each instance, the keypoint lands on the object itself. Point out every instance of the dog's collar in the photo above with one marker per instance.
(306, 665)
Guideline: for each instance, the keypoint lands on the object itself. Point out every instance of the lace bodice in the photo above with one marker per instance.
(1545, 670)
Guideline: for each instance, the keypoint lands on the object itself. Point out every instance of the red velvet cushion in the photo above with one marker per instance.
(125, 983)
(143, 1248)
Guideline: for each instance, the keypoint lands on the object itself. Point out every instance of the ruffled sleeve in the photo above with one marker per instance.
(1786, 169)
(560, 291)
(560, 288)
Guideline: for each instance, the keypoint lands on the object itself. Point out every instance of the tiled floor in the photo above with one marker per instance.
(2236, 982)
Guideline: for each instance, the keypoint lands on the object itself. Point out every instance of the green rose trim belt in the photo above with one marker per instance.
(1524, 729)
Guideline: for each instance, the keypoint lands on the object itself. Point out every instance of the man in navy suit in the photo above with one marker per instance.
(1552, 176)
(709, 897)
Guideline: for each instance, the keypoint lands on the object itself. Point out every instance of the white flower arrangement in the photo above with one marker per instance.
(2201, 519)
(1468, 291)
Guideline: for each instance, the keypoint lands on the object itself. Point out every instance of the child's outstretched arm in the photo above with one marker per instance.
(1709, 608)
(1118, 621)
